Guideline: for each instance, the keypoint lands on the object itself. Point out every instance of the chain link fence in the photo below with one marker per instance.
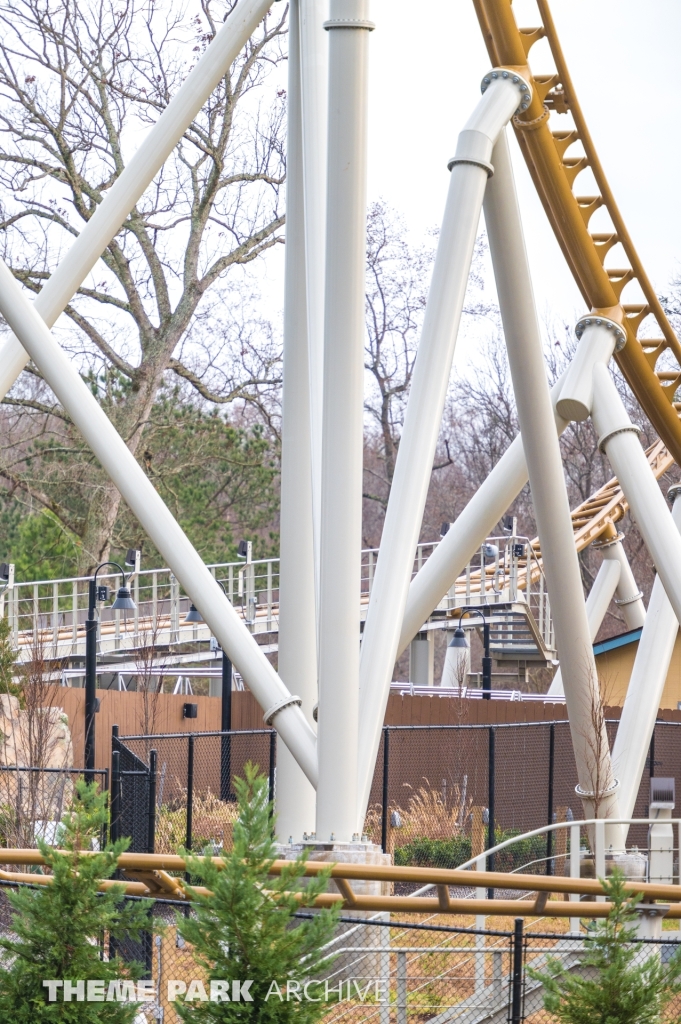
(190, 777)
(33, 799)
(391, 972)
(440, 796)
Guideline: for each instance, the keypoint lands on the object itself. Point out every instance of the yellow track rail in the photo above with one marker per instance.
(591, 520)
(148, 875)
(554, 174)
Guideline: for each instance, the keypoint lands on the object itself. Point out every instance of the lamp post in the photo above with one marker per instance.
(486, 659)
(123, 601)
(194, 615)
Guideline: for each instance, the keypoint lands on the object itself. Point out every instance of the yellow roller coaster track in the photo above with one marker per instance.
(554, 174)
(591, 520)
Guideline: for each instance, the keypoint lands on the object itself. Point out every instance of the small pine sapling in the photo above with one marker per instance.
(246, 930)
(8, 659)
(59, 928)
(624, 982)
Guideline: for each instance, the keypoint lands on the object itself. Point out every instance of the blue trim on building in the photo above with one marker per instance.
(617, 641)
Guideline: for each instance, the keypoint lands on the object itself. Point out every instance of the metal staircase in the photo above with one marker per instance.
(515, 634)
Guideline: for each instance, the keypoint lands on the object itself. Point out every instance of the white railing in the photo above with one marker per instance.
(50, 614)
(506, 570)
(574, 847)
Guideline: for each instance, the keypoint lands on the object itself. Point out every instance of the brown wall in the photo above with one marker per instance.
(126, 710)
(436, 710)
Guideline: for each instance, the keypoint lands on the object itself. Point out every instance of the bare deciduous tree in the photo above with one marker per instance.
(79, 83)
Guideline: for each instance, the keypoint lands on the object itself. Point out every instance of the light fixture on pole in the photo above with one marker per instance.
(193, 615)
(123, 602)
(486, 660)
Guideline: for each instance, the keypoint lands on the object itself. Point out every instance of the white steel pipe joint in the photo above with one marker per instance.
(349, 14)
(476, 140)
(595, 346)
(628, 597)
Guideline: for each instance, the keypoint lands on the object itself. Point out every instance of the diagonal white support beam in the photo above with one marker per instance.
(597, 603)
(646, 685)
(503, 94)
(473, 525)
(614, 579)
(61, 375)
(137, 176)
(618, 439)
(297, 665)
(597, 785)
(627, 595)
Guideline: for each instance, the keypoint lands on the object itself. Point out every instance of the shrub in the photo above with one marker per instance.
(619, 990)
(60, 927)
(450, 853)
(246, 931)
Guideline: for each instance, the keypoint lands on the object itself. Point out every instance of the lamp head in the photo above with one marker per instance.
(459, 638)
(193, 615)
(124, 600)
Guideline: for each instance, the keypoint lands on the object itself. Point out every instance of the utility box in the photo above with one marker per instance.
(661, 833)
(422, 659)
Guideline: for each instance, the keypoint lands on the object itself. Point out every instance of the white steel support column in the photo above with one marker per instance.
(342, 439)
(627, 595)
(648, 677)
(503, 94)
(295, 796)
(281, 708)
(597, 604)
(124, 193)
(468, 532)
(617, 437)
(597, 786)
(314, 46)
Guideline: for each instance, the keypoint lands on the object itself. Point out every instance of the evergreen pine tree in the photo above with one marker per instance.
(8, 657)
(246, 930)
(58, 928)
(625, 982)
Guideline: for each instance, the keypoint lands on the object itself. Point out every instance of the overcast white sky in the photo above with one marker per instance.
(427, 60)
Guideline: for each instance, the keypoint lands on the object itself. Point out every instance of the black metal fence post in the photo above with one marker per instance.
(151, 830)
(550, 867)
(273, 765)
(105, 789)
(384, 795)
(90, 681)
(651, 755)
(486, 659)
(190, 791)
(490, 801)
(226, 727)
(115, 796)
(517, 973)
